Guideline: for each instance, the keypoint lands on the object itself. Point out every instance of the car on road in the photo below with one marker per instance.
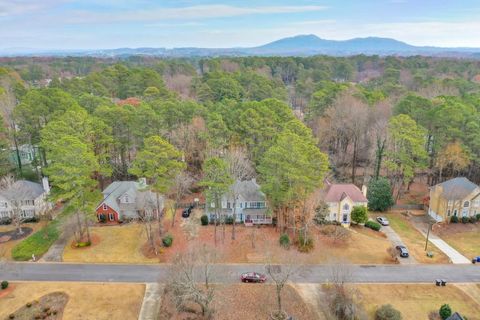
(476, 259)
(383, 221)
(403, 251)
(187, 211)
(253, 277)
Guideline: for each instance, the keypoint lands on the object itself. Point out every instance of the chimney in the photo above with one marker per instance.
(142, 182)
(364, 190)
(45, 185)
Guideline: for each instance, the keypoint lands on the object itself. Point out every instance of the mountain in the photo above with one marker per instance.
(301, 45)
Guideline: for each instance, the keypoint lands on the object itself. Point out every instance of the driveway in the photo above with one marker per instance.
(397, 241)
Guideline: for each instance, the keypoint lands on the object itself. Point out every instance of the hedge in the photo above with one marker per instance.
(37, 244)
(373, 225)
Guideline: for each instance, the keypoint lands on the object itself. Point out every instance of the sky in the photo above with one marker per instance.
(106, 24)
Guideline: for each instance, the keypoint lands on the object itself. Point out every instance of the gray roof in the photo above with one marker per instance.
(134, 189)
(457, 188)
(249, 190)
(455, 316)
(23, 190)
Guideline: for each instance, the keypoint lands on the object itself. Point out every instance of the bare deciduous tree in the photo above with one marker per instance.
(147, 217)
(181, 187)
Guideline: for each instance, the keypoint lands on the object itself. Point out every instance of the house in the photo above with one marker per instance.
(126, 200)
(455, 316)
(251, 204)
(455, 197)
(341, 198)
(26, 153)
(27, 196)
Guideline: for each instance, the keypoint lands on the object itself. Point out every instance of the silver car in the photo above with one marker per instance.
(383, 221)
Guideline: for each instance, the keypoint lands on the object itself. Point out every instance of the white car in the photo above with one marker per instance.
(383, 221)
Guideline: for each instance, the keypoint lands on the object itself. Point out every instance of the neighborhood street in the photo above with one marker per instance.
(228, 273)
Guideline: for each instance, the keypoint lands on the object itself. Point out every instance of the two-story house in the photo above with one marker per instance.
(250, 204)
(455, 197)
(126, 200)
(341, 198)
(29, 198)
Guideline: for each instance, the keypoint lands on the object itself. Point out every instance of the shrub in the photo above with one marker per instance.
(464, 219)
(373, 225)
(321, 213)
(28, 305)
(379, 194)
(229, 220)
(11, 316)
(34, 219)
(454, 219)
(167, 240)
(445, 311)
(4, 284)
(5, 221)
(387, 312)
(472, 220)
(204, 220)
(82, 244)
(37, 244)
(285, 240)
(304, 245)
(359, 214)
(477, 217)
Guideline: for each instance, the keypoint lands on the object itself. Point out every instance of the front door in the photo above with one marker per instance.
(345, 218)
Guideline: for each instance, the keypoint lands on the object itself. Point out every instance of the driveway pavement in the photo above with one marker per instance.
(396, 241)
(229, 273)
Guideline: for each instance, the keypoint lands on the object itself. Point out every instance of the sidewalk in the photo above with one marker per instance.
(151, 301)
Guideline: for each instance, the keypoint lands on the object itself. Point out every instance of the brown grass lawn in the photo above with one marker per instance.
(416, 301)
(246, 301)
(463, 237)
(6, 247)
(412, 238)
(86, 300)
(116, 244)
(364, 245)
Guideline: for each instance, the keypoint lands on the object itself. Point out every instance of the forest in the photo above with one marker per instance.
(296, 121)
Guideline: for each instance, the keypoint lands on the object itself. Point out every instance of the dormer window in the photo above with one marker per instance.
(466, 204)
(346, 206)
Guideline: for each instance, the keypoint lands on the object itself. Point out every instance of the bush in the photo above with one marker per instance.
(37, 244)
(82, 244)
(34, 219)
(464, 219)
(229, 220)
(472, 220)
(373, 225)
(285, 240)
(304, 245)
(379, 194)
(454, 219)
(167, 240)
(28, 305)
(387, 312)
(11, 316)
(445, 311)
(5, 221)
(204, 220)
(4, 285)
(359, 214)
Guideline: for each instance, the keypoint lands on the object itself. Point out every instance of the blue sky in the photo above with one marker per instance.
(90, 24)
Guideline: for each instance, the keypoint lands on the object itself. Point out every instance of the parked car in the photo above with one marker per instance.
(253, 277)
(187, 211)
(476, 259)
(383, 221)
(403, 251)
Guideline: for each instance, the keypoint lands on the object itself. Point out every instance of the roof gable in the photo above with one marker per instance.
(337, 192)
(23, 190)
(249, 190)
(457, 188)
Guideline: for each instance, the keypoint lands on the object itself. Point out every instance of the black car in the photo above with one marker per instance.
(403, 251)
(187, 211)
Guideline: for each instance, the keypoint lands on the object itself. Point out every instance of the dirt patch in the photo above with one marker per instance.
(5, 292)
(13, 235)
(49, 307)
(244, 301)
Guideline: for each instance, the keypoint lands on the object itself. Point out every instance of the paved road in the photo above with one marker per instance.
(230, 273)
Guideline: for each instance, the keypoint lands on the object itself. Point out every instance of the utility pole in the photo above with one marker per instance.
(430, 225)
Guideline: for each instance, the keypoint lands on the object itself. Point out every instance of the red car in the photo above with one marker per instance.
(253, 277)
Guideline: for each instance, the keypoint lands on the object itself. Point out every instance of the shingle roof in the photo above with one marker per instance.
(117, 189)
(23, 190)
(455, 316)
(248, 190)
(338, 192)
(457, 188)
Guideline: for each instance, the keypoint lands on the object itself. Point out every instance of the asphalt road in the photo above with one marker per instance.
(228, 273)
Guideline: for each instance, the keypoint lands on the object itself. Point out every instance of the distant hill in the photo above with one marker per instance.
(301, 45)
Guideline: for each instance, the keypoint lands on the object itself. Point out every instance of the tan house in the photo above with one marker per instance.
(455, 197)
(341, 198)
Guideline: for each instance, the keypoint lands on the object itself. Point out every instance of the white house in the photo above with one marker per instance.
(250, 203)
(29, 197)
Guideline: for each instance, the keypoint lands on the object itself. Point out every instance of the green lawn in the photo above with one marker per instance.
(38, 243)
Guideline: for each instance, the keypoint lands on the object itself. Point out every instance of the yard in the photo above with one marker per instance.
(6, 247)
(416, 301)
(85, 300)
(111, 244)
(463, 237)
(246, 301)
(412, 238)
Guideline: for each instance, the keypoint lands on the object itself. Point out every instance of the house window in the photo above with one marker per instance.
(105, 207)
(345, 218)
(346, 206)
(476, 203)
(335, 216)
(448, 212)
(228, 205)
(111, 216)
(450, 203)
(466, 204)
(126, 198)
(3, 204)
(4, 214)
(241, 205)
(455, 212)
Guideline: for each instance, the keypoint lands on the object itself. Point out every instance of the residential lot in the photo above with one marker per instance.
(412, 238)
(7, 246)
(85, 300)
(465, 238)
(416, 301)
